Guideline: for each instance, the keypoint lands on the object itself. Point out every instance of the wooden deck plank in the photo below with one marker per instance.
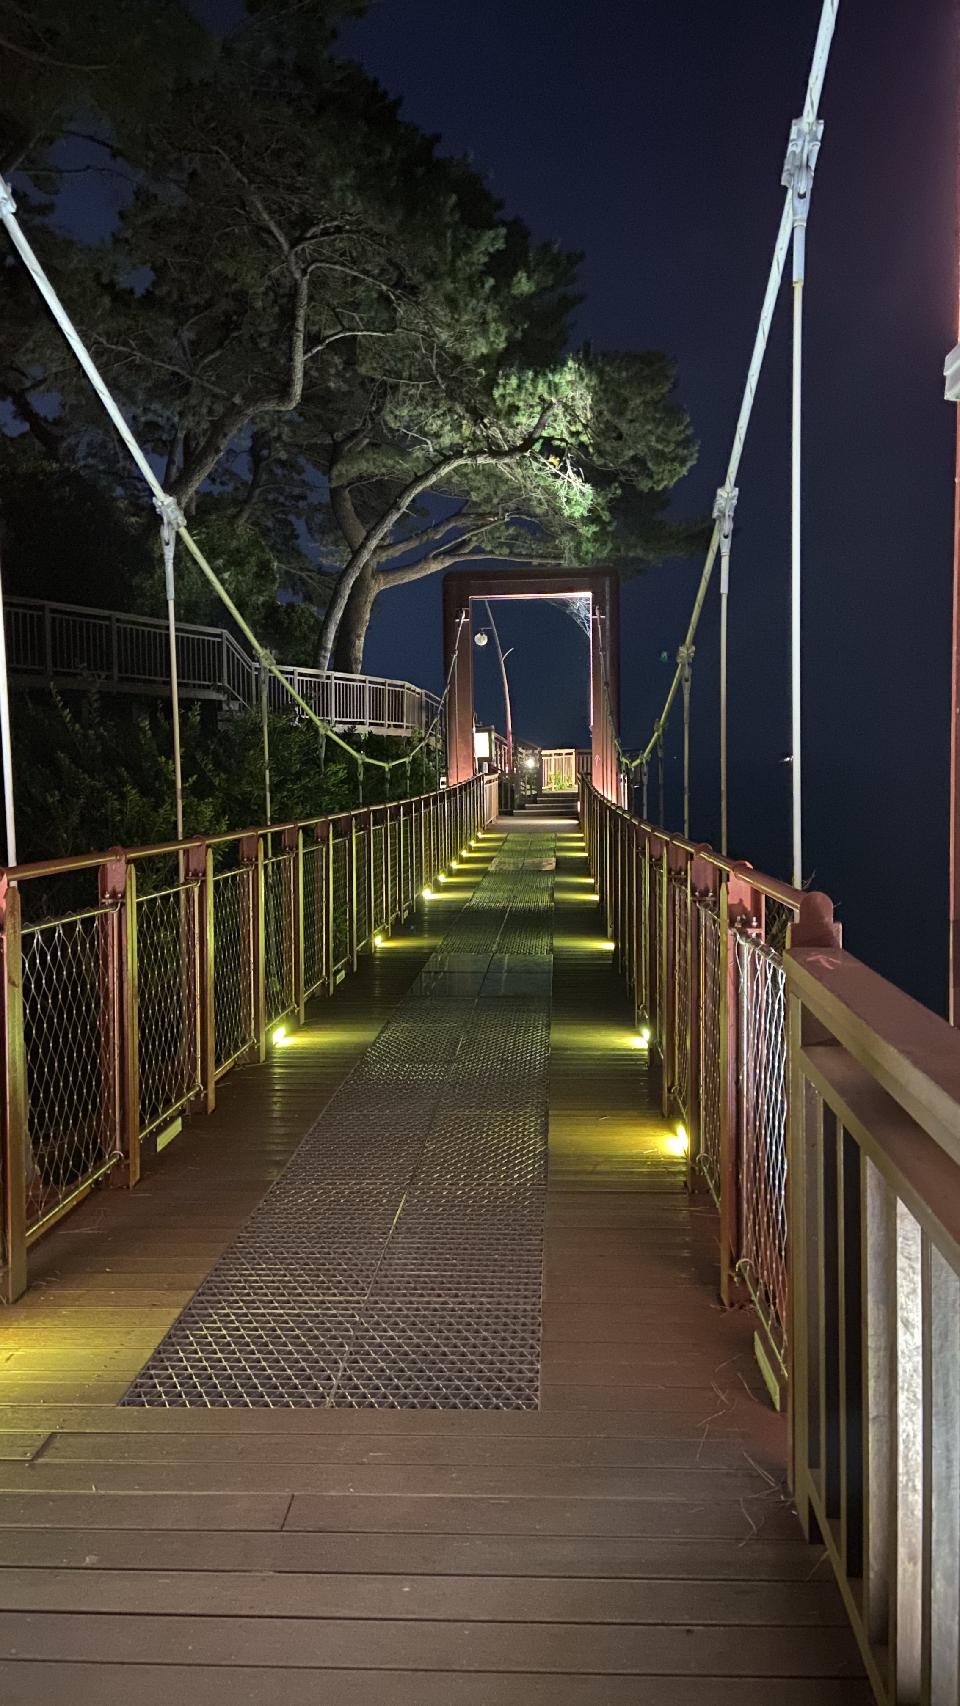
(612, 1557)
(51, 1684)
(381, 1644)
(475, 1599)
(629, 1542)
(565, 1483)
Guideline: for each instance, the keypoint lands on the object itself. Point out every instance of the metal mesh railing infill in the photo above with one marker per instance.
(711, 938)
(123, 1012)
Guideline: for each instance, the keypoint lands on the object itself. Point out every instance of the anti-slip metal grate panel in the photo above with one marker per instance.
(397, 1261)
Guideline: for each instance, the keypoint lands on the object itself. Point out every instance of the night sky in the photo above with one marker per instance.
(652, 138)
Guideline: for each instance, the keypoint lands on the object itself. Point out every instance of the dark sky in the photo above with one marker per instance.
(652, 137)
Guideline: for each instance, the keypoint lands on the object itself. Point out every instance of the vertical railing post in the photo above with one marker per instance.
(208, 999)
(15, 1135)
(110, 887)
(131, 1030)
(192, 860)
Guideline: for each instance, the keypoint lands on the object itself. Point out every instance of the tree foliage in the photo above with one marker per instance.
(110, 769)
(322, 327)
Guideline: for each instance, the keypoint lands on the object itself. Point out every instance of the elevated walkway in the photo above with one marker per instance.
(591, 1510)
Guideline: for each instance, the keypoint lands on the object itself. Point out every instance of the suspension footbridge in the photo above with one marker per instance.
(479, 1247)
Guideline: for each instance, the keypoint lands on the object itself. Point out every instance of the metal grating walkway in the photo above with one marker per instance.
(397, 1261)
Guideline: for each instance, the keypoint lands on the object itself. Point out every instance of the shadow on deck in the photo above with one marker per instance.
(628, 1541)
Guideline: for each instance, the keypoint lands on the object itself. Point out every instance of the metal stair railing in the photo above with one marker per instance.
(71, 644)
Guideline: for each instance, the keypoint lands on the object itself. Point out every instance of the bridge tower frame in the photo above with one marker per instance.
(464, 587)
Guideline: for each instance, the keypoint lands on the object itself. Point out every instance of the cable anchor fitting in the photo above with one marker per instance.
(685, 660)
(724, 505)
(797, 176)
(170, 513)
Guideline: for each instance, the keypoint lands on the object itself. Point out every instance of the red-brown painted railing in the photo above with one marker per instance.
(823, 1113)
(700, 942)
(133, 980)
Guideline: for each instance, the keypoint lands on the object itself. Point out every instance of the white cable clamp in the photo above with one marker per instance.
(724, 505)
(170, 513)
(798, 169)
(8, 206)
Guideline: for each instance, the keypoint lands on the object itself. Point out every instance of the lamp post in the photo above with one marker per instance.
(480, 639)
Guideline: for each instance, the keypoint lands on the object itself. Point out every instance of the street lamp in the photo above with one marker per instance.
(480, 639)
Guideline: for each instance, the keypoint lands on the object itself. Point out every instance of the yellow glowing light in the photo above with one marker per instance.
(378, 940)
(609, 945)
(427, 893)
(442, 876)
(678, 1142)
(279, 1036)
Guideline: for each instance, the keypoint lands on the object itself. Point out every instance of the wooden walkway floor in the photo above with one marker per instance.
(629, 1543)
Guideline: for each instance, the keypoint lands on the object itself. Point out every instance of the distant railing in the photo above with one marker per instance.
(133, 980)
(822, 1111)
(71, 645)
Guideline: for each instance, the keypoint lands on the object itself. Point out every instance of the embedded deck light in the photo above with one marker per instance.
(678, 1142)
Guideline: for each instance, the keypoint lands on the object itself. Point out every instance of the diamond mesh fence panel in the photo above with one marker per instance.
(680, 928)
(314, 915)
(70, 1027)
(709, 996)
(341, 898)
(657, 1017)
(777, 919)
(168, 1001)
(393, 847)
(278, 884)
(763, 1135)
(379, 878)
(409, 874)
(361, 853)
(232, 963)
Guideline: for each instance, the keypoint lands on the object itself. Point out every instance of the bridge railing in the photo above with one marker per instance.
(72, 645)
(700, 942)
(133, 980)
(822, 1108)
(874, 1218)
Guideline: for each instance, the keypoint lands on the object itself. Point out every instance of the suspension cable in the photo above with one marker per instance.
(814, 90)
(167, 507)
